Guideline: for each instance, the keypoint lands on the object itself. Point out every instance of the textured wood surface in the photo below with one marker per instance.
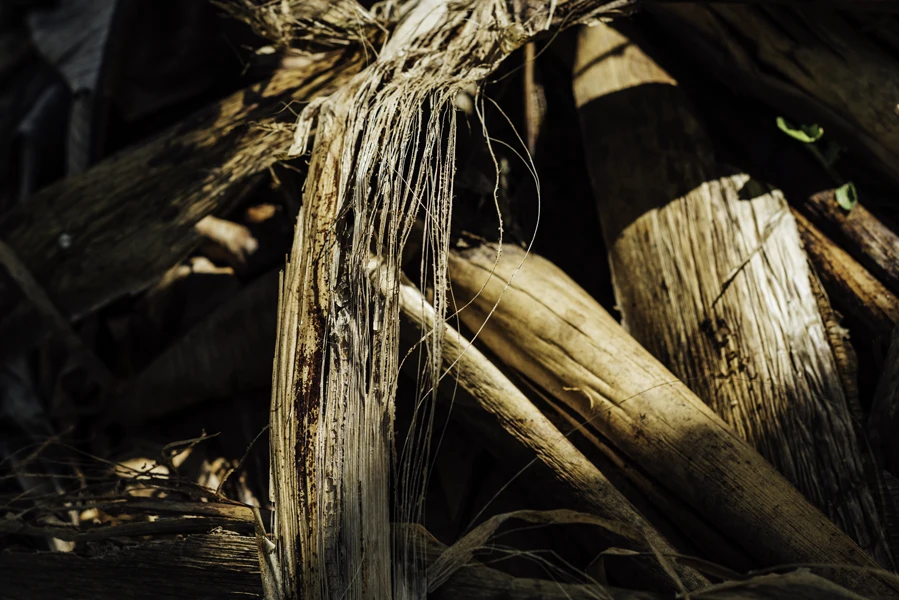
(384, 152)
(196, 567)
(866, 238)
(711, 278)
(549, 329)
(222, 565)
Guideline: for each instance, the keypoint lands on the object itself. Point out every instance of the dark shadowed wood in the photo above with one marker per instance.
(228, 352)
(223, 565)
(883, 422)
(196, 567)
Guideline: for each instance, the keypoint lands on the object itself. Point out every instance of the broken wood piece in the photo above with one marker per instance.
(715, 283)
(585, 487)
(542, 324)
(117, 227)
(850, 286)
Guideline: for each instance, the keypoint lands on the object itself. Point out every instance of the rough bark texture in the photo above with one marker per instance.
(549, 329)
(817, 69)
(850, 286)
(714, 282)
(118, 226)
(585, 488)
(884, 418)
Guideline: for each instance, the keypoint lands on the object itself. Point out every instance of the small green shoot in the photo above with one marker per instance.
(804, 133)
(847, 196)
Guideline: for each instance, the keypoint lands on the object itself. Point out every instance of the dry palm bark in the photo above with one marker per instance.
(816, 66)
(117, 227)
(586, 488)
(545, 326)
(715, 286)
(384, 150)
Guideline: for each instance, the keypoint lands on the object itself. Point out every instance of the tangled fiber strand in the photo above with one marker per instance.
(384, 155)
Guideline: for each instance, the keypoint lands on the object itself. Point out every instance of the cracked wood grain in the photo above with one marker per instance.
(713, 281)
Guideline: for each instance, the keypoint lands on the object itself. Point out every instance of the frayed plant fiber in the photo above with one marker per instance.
(383, 156)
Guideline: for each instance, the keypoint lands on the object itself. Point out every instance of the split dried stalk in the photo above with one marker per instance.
(545, 326)
(714, 286)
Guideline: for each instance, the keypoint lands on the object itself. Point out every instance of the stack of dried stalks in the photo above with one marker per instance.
(725, 438)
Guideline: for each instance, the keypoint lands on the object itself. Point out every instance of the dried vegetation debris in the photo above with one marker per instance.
(142, 302)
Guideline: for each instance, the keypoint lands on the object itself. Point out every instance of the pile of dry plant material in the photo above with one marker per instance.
(453, 299)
